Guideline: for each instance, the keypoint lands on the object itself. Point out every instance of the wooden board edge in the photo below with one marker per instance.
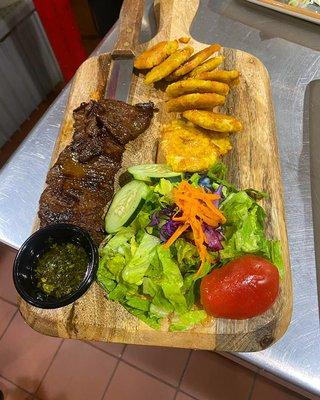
(247, 342)
(288, 306)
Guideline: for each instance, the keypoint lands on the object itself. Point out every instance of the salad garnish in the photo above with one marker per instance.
(196, 210)
(177, 230)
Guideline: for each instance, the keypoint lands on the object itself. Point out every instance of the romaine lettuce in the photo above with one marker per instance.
(172, 280)
(136, 268)
(188, 320)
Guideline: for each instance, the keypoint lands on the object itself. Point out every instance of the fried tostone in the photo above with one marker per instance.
(203, 101)
(196, 86)
(169, 65)
(194, 61)
(188, 148)
(213, 121)
(208, 65)
(156, 54)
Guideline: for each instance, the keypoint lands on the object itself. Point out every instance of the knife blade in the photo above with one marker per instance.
(121, 69)
(119, 82)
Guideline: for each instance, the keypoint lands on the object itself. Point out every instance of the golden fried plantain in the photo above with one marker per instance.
(221, 140)
(169, 65)
(156, 54)
(208, 65)
(213, 121)
(220, 76)
(203, 101)
(194, 61)
(184, 39)
(196, 86)
(186, 148)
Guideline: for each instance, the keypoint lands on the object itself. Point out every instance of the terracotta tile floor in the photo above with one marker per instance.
(33, 366)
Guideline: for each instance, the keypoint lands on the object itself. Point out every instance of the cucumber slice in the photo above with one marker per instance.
(125, 205)
(148, 172)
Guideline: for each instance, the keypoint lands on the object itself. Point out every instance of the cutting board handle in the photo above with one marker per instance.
(174, 17)
(129, 28)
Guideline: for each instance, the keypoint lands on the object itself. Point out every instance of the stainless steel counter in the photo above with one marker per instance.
(290, 50)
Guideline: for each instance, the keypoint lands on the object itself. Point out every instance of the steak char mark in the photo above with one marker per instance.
(81, 182)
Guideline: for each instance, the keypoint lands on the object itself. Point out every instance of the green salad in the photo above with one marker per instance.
(158, 283)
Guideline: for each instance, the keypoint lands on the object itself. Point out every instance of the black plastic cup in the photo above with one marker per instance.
(37, 244)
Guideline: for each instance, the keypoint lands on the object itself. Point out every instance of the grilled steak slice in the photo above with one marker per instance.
(85, 150)
(123, 121)
(81, 182)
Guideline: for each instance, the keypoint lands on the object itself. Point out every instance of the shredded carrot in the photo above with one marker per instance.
(175, 236)
(195, 207)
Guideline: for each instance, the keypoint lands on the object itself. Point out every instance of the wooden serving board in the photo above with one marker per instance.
(253, 162)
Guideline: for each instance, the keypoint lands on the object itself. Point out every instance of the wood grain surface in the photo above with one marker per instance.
(129, 28)
(253, 162)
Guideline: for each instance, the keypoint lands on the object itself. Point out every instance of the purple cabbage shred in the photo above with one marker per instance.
(168, 229)
(219, 192)
(214, 237)
(164, 213)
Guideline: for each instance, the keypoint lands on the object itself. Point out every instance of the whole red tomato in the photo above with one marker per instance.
(243, 288)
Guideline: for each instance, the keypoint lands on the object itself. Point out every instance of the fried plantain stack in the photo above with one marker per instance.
(196, 141)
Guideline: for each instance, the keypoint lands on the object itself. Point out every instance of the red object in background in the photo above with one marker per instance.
(64, 36)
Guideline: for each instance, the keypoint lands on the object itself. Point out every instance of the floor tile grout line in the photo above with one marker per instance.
(14, 384)
(182, 374)
(124, 349)
(252, 386)
(188, 394)
(9, 323)
(49, 366)
(110, 379)
(103, 351)
(8, 301)
(149, 374)
(185, 368)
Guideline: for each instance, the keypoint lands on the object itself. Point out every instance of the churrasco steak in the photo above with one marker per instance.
(81, 182)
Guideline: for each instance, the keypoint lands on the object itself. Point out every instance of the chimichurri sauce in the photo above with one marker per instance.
(61, 269)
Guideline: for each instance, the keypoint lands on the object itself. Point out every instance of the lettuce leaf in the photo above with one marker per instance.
(118, 293)
(106, 279)
(149, 287)
(150, 320)
(186, 255)
(160, 306)
(218, 173)
(245, 231)
(138, 302)
(135, 270)
(141, 221)
(164, 187)
(275, 255)
(194, 179)
(172, 280)
(249, 237)
(115, 243)
(236, 207)
(188, 320)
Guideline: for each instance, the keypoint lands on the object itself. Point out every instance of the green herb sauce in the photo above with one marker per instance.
(61, 269)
